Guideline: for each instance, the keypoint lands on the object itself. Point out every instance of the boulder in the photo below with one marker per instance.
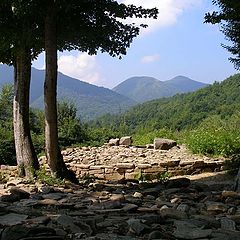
(164, 144)
(114, 142)
(126, 141)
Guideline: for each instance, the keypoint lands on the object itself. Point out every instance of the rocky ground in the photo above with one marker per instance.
(190, 207)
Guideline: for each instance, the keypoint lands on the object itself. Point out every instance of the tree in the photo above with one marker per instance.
(86, 26)
(228, 17)
(18, 47)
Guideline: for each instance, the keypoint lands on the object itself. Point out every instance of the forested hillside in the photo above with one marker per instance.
(142, 89)
(91, 101)
(183, 110)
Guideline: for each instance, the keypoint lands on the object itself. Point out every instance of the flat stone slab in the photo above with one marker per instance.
(12, 219)
(186, 230)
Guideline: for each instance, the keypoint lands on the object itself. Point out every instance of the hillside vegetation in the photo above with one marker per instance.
(90, 101)
(208, 121)
(183, 111)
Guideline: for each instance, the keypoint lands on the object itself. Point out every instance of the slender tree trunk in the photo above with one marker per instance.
(54, 157)
(25, 153)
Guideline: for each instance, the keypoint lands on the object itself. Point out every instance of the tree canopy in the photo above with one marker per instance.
(228, 16)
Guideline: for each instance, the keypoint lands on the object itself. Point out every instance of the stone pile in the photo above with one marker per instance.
(121, 162)
(127, 210)
(116, 162)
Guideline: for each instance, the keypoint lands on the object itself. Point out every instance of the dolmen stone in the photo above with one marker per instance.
(125, 141)
(164, 144)
(113, 142)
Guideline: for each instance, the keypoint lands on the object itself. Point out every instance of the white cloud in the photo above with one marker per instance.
(150, 58)
(169, 11)
(82, 66)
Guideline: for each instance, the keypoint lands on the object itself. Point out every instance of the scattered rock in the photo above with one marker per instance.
(12, 219)
(114, 142)
(186, 230)
(136, 226)
(126, 141)
(164, 144)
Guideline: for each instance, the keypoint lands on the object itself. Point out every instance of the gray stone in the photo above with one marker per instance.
(14, 232)
(68, 223)
(105, 205)
(19, 192)
(10, 198)
(12, 219)
(126, 141)
(207, 221)
(136, 226)
(137, 195)
(164, 144)
(178, 183)
(130, 207)
(155, 235)
(186, 230)
(114, 142)
(183, 207)
(54, 196)
(48, 202)
(172, 213)
(216, 207)
(228, 224)
(221, 234)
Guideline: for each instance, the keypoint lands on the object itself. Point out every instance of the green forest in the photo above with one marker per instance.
(208, 121)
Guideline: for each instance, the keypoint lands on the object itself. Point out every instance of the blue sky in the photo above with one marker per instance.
(178, 43)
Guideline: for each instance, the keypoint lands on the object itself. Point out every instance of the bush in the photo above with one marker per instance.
(145, 136)
(7, 152)
(215, 137)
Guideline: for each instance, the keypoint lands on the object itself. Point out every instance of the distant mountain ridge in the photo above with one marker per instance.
(142, 89)
(91, 101)
(182, 111)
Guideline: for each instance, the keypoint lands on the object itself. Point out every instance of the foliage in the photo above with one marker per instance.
(180, 112)
(232, 165)
(3, 178)
(161, 177)
(145, 136)
(216, 136)
(228, 18)
(70, 129)
(99, 136)
(46, 178)
(7, 148)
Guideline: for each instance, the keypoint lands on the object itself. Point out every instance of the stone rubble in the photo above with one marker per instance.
(123, 208)
(124, 162)
(120, 210)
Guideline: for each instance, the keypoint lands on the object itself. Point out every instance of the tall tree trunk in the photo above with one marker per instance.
(54, 157)
(25, 153)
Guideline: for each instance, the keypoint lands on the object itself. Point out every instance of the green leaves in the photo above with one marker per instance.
(228, 17)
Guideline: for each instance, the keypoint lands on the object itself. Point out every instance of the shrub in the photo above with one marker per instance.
(146, 136)
(215, 137)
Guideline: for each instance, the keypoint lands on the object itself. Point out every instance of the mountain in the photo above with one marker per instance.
(91, 101)
(142, 89)
(182, 110)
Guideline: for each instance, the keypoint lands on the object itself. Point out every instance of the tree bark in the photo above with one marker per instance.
(54, 157)
(26, 157)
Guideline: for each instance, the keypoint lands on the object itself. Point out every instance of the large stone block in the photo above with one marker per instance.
(126, 141)
(114, 142)
(164, 144)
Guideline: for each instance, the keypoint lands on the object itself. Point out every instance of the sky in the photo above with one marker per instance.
(177, 43)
